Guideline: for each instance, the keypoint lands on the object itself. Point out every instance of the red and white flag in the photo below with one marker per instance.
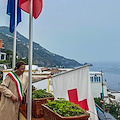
(37, 6)
(75, 86)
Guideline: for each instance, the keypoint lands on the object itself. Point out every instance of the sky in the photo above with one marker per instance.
(83, 30)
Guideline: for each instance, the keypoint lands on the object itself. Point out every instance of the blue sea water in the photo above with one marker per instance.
(111, 72)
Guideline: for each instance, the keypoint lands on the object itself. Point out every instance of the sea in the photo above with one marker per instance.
(111, 72)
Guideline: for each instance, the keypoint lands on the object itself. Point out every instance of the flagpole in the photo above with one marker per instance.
(103, 105)
(14, 40)
(30, 61)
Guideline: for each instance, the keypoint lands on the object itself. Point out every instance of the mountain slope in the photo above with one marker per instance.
(41, 56)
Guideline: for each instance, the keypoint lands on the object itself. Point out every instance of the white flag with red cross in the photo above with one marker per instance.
(75, 86)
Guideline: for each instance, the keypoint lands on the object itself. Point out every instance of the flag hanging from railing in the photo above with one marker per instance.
(11, 12)
(37, 6)
(75, 86)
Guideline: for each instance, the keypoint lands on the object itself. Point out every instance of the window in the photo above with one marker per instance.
(2, 57)
(91, 78)
(99, 79)
(95, 79)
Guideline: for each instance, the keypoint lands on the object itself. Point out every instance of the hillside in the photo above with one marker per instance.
(41, 56)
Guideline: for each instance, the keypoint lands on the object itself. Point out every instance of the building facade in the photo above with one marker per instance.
(98, 84)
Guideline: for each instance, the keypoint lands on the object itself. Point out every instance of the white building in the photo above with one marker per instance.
(38, 77)
(2, 56)
(96, 84)
(95, 77)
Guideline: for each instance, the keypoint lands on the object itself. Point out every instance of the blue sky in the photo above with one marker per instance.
(84, 30)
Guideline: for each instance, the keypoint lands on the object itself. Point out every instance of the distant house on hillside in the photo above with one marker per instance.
(2, 54)
(39, 75)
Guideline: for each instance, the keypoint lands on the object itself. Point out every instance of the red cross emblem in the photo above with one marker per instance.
(73, 97)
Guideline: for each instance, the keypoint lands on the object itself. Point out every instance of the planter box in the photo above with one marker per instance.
(23, 110)
(37, 108)
(51, 115)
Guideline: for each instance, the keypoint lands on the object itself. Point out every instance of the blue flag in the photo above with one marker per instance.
(11, 12)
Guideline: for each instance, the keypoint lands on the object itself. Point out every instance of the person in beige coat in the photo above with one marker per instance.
(10, 102)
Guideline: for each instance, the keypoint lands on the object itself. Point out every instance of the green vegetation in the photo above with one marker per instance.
(24, 60)
(0, 81)
(41, 56)
(36, 94)
(65, 108)
(97, 101)
(112, 108)
(9, 59)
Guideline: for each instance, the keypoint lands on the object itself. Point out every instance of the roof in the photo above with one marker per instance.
(94, 72)
(37, 79)
(64, 72)
(54, 71)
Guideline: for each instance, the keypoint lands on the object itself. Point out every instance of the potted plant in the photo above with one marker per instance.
(62, 109)
(40, 97)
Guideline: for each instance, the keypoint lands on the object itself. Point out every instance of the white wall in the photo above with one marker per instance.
(117, 96)
(97, 89)
(41, 84)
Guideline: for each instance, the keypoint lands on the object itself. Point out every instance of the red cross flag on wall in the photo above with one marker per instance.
(73, 97)
(75, 86)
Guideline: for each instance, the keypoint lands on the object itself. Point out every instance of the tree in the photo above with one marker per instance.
(112, 108)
